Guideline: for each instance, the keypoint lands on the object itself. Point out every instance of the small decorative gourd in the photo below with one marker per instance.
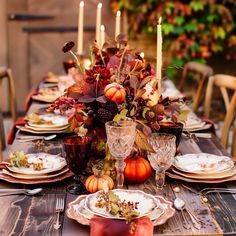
(96, 181)
(115, 92)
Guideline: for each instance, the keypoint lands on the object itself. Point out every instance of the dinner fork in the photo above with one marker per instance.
(60, 204)
(206, 191)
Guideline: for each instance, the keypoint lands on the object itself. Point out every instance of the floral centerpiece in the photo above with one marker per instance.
(118, 85)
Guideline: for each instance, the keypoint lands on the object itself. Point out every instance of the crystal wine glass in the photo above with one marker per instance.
(120, 140)
(164, 146)
(76, 151)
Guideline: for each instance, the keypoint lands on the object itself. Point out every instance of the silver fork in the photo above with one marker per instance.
(60, 204)
(206, 191)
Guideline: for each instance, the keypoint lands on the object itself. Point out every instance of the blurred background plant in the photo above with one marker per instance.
(192, 29)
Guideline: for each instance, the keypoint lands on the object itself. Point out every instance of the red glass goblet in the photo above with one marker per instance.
(76, 151)
(172, 128)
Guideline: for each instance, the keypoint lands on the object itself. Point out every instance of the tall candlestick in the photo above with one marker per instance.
(98, 23)
(102, 39)
(80, 29)
(117, 29)
(159, 55)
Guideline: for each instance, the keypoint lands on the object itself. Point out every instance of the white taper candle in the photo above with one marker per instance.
(159, 55)
(98, 22)
(117, 27)
(102, 39)
(80, 28)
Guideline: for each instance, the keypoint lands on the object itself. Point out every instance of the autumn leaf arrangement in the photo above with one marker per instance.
(118, 85)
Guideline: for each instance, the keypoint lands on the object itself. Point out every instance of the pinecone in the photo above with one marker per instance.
(112, 107)
(141, 102)
(104, 115)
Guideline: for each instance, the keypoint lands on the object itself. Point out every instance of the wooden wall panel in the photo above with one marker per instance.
(32, 55)
(3, 52)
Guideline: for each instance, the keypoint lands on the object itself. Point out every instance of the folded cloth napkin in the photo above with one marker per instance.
(100, 226)
(3, 164)
(28, 99)
(208, 121)
(11, 136)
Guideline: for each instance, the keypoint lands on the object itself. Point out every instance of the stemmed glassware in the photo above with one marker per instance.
(164, 146)
(120, 140)
(76, 151)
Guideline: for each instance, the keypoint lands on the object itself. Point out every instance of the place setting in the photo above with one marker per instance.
(34, 168)
(45, 124)
(203, 168)
(85, 207)
(48, 95)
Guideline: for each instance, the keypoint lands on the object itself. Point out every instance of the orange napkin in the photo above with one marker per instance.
(100, 226)
(3, 166)
(28, 99)
(208, 121)
(12, 133)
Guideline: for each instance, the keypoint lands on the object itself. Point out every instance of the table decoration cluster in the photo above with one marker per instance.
(116, 120)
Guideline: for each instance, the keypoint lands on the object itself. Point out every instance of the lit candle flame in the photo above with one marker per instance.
(118, 13)
(159, 21)
(141, 54)
(81, 4)
(100, 5)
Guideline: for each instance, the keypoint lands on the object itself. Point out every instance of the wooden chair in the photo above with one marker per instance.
(6, 73)
(233, 147)
(201, 72)
(225, 83)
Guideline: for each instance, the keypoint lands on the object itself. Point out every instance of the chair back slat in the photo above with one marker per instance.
(201, 73)
(6, 73)
(225, 83)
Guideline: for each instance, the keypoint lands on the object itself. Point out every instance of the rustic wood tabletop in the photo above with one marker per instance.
(35, 215)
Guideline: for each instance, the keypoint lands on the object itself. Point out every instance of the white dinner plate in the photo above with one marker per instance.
(50, 163)
(35, 177)
(147, 203)
(43, 131)
(49, 128)
(203, 163)
(205, 176)
(50, 98)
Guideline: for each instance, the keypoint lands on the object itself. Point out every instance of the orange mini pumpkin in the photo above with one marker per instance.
(137, 170)
(96, 182)
(115, 92)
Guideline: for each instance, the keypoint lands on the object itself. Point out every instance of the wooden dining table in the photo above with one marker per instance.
(35, 215)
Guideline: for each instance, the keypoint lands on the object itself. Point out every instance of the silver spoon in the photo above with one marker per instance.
(181, 206)
(6, 192)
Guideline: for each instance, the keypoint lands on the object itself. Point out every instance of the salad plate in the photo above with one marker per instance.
(47, 120)
(203, 163)
(47, 95)
(144, 203)
(38, 164)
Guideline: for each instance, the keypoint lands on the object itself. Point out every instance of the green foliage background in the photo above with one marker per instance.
(192, 29)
